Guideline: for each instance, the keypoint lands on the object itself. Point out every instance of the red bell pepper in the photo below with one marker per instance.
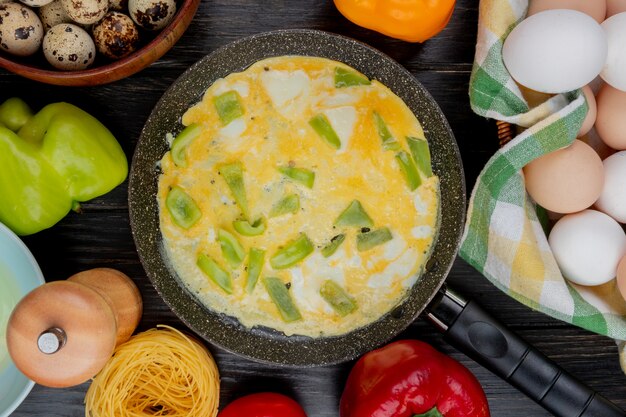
(263, 404)
(409, 378)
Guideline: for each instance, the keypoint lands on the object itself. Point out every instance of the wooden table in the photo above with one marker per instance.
(101, 236)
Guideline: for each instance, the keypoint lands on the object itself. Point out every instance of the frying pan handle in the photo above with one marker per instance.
(471, 330)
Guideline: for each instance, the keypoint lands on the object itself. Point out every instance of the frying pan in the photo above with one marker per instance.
(463, 322)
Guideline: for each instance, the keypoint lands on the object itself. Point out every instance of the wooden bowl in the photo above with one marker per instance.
(37, 68)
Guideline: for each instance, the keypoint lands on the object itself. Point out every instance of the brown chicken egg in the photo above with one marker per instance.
(21, 30)
(116, 35)
(593, 8)
(152, 14)
(567, 180)
(610, 122)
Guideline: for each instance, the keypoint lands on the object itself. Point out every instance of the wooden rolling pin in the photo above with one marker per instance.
(62, 333)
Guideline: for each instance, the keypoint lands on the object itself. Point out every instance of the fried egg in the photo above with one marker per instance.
(262, 121)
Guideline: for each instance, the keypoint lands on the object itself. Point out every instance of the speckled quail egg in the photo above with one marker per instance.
(86, 12)
(117, 5)
(69, 47)
(52, 14)
(116, 35)
(21, 30)
(152, 14)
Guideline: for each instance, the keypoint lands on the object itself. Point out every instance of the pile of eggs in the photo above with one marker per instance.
(71, 32)
(561, 46)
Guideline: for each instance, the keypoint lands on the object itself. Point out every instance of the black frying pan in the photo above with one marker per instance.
(463, 322)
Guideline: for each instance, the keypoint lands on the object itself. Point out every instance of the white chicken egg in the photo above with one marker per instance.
(613, 72)
(587, 247)
(555, 51)
(612, 201)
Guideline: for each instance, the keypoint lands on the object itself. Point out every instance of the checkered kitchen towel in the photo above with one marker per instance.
(503, 236)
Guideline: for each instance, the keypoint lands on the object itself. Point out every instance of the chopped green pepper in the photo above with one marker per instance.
(52, 161)
(421, 155)
(231, 248)
(288, 204)
(233, 175)
(182, 207)
(243, 227)
(281, 297)
(324, 129)
(228, 106)
(348, 78)
(354, 215)
(182, 141)
(409, 170)
(292, 253)
(338, 298)
(215, 272)
(368, 240)
(256, 258)
(334, 244)
(303, 176)
(389, 142)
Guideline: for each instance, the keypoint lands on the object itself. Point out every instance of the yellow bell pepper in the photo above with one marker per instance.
(409, 20)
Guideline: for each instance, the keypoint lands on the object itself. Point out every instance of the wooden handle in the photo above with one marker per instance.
(77, 311)
(120, 292)
(505, 132)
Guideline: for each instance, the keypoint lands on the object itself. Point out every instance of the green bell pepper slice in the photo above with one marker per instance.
(303, 176)
(245, 228)
(182, 207)
(334, 244)
(421, 155)
(233, 175)
(228, 106)
(282, 299)
(338, 298)
(324, 129)
(354, 215)
(232, 250)
(288, 204)
(409, 170)
(182, 141)
(389, 142)
(368, 240)
(292, 253)
(217, 274)
(348, 78)
(52, 161)
(256, 258)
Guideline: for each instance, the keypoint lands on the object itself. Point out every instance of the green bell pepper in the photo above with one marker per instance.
(342, 302)
(282, 299)
(231, 248)
(288, 204)
(354, 215)
(334, 244)
(256, 258)
(348, 78)
(368, 240)
(51, 161)
(292, 253)
(389, 142)
(324, 129)
(304, 176)
(217, 274)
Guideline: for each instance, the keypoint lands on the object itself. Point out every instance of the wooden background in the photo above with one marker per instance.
(101, 237)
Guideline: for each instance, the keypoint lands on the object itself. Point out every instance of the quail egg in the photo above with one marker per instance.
(20, 29)
(116, 35)
(68, 47)
(117, 5)
(52, 14)
(152, 14)
(85, 12)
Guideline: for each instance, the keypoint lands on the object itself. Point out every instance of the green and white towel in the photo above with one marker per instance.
(503, 236)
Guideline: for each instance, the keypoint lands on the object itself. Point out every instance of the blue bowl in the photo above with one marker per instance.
(19, 274)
